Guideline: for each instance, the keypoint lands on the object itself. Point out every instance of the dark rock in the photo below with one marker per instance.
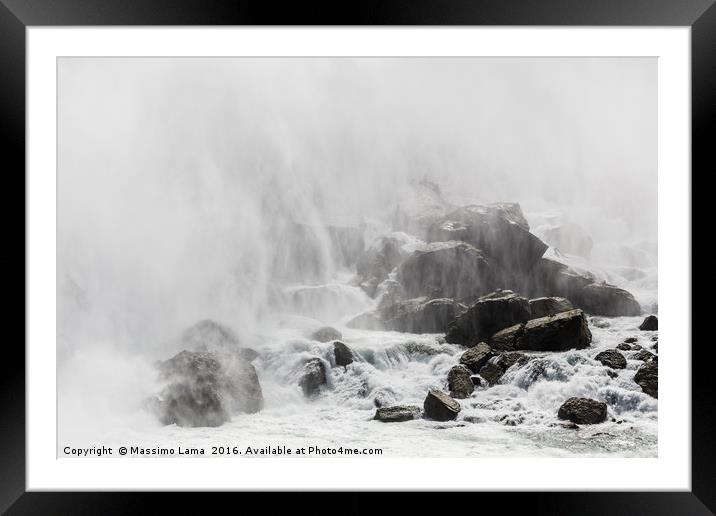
(656, 346)
(643, 355)
(570, 426)
(583, 411)
(493, 370)
(343, 354)
(545, 306)
(604, 299)
(500, 230)
(647, 377)
(440, 407)
(397, 414)
(487, 316)
(476, 357)
(611, 358)
(636, 347)
(419, 315)
(651, 323)
(567, 330)
(378, 261)
(631, 340)
(553, 278)
(446, 269)
(476, 380)
(326, 334)
(506, 340)
(624, 346)
(203, 390)
(612, 374)
(459, 382)
(571, 239)
(312, 376)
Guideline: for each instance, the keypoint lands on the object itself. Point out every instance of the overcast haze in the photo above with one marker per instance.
(170, 169)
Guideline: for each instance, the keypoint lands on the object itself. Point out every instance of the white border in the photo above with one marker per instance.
(672, 468)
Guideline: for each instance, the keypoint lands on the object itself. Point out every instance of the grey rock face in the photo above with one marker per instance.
(312, 377)
(546, 306)
(397, 413)
(487, 316)
(611, 358)
(567, 330)
(459, 382)
(647, 377)
(650, 323)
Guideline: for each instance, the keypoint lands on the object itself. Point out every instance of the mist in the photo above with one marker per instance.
(176, 176)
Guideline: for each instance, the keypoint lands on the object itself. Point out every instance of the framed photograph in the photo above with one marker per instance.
(420, 249)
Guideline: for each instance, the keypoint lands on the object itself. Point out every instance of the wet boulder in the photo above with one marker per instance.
(571, 239)
(583, 411)
(650, 323)
(624, 346)
(544, 306)
(487, 316)
(440, 407)
(326, 334)
(500, 230)
(643, 355)
(342, 354)
(496, 367)
(397, 413)
(605, 299)
(553, 278)
(313, 376)
(612, 359)
(459, 382)
(476, 357)
(647, 377)
(446, 270)
(203, 390)
(566, 330)
(419, 315)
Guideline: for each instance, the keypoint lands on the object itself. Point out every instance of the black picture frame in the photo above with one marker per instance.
(17, 15)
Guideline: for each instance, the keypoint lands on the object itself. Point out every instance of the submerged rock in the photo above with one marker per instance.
(545, 306)
(397, 413)
(650, 323)
(476, 357)
(624, 346)
(487, 316)
(446, 270)
(342, 353)
(611, 358)
(500, 230)
(459, 382)
(326, 334)
(567, 330)
(583, 411)
(419, 315)
(440, 407)
(647, 377)
(312, 377)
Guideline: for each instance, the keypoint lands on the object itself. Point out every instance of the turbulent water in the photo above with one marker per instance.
(516, 417)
